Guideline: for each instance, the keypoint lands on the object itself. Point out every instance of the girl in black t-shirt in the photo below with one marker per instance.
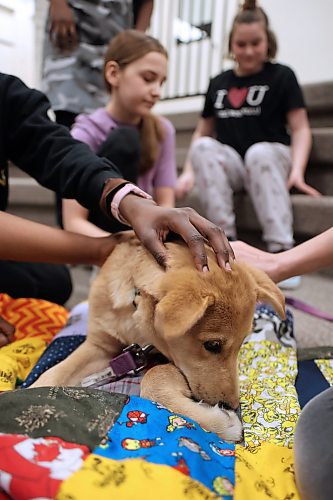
(253, 134)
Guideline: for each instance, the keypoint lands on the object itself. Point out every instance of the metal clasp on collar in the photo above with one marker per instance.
(131, 361)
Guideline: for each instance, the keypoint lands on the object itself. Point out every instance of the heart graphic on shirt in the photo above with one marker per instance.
(237, 96)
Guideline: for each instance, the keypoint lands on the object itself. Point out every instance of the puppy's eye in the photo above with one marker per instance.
(214, 346)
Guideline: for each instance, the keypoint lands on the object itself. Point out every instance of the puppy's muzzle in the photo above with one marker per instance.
(227, 406)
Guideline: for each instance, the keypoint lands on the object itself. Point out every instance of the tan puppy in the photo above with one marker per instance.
(197, 320)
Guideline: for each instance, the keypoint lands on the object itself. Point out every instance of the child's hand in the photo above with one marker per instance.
(7, 331)
(62, 30)
(258, 258)
(297, 181)
(152, 223)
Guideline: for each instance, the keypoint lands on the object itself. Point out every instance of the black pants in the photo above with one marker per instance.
(50, 282)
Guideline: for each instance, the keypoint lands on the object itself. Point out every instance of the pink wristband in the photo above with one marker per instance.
(128, 188)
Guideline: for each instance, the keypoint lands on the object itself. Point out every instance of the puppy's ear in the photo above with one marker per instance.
(175, 315)
(268, 291)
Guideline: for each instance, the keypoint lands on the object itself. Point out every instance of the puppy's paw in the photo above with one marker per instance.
(234, 429)
(225, 423)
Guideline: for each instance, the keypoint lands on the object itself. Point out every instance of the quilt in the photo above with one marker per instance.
(80, 443)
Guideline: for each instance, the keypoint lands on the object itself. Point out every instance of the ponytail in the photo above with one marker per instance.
(151, 135)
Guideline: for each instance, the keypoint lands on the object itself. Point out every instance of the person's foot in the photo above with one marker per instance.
(290, 283)
(273, 247)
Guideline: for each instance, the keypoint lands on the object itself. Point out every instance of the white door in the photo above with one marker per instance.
(17, 47)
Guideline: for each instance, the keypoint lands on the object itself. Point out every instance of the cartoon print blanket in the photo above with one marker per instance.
(79, 443)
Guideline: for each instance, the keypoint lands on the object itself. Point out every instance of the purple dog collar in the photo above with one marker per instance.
(130, 361)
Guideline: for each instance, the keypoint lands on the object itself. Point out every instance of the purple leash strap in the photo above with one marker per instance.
(313, 311)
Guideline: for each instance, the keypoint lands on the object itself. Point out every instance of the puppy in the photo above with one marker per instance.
(197, 320)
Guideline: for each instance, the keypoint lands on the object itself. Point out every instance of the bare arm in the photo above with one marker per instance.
(75, 218)
(205, 127)
(24, 240)
(301, 142)
(164, 196)
(310, 256)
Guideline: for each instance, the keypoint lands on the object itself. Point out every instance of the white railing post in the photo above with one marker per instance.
(196, 56)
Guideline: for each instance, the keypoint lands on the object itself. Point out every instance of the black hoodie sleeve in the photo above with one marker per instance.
(45, 150)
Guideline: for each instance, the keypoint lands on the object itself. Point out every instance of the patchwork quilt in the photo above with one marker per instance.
(80, 443)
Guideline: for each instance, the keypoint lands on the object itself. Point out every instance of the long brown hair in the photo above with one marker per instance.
(125, 48)
(251, 13)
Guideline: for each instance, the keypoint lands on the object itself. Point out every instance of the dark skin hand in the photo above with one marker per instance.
(62, 29)
(152, 223)
(7, 331)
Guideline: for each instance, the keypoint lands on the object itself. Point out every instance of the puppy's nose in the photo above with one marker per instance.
(229, 406)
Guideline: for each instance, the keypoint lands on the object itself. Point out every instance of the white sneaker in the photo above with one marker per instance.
(290, 283)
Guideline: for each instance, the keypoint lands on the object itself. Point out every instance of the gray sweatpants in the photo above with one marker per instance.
(313, 448)
(220, 172)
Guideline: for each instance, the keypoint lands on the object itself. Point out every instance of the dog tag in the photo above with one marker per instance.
(99, 378)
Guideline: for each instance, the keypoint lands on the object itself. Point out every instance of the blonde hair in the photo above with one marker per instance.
(125, 48)
(251, 13)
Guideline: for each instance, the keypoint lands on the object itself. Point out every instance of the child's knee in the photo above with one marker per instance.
(199, 149)
(258, 156)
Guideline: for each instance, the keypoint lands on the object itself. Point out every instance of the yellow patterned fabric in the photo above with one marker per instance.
(326, 368)
(33, 317)
(18, 359)
(265, 472)
(269, 402)
(103, 478)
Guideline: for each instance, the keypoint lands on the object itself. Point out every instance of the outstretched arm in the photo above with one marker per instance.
(300, 150)
(310, 256)
(75, 219)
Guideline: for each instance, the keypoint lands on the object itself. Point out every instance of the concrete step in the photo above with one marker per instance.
(29, 200)
(319, 103)
(321, 178)
(25, 190)
(311, 215)
(42, 214)
(322, 146)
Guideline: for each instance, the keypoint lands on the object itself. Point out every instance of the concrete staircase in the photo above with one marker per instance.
(30, 200)
(311, 216)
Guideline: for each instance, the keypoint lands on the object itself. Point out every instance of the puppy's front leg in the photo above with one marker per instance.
(87, 359)
(166, 385)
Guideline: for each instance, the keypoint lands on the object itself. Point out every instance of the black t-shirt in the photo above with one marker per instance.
(251, 109)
